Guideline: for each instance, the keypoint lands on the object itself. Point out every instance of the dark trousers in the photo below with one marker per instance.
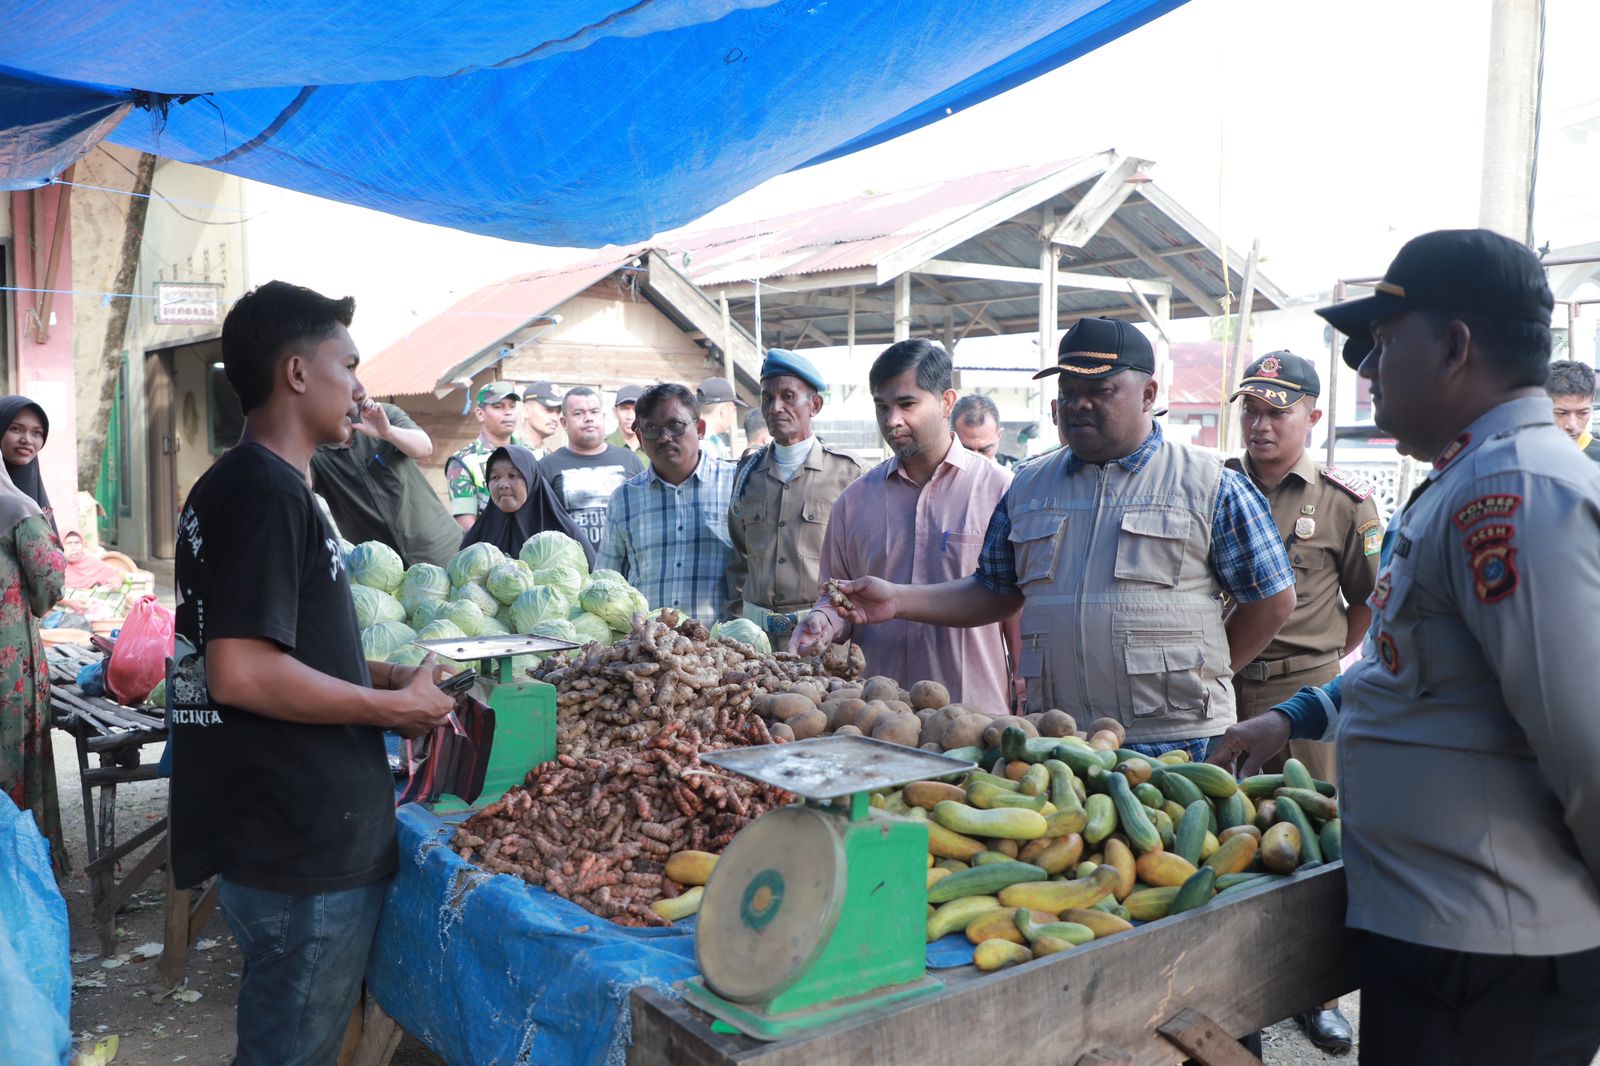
(1430, 1005)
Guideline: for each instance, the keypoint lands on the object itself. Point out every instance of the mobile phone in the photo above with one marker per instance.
(456, 684)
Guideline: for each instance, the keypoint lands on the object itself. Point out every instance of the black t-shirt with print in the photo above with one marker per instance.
(584, 484)
(269, 804)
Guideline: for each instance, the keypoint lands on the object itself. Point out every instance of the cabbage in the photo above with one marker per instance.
(375, 565)
(503, 616)
(552, 548)
(380, 641)
(591, 627)
(423, 581)
(616, 602)
(605, 575)
(426, 612)
(557, 629)
(440, 629)
(473, 563)
(373, 607)
(409, 655)
(508, 581)
(568, 580)
(493, 627)
(474, 593)
(158, 695)
(464, 615)
(745, 632)
(536, 605)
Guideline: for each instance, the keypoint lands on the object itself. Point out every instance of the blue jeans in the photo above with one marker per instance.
(304, 959)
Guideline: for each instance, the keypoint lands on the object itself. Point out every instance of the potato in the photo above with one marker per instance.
(868, 716)
(880, 688)
(841, 711)
(929, 694)
(1109, 723)
(904, 696)
(1035, 717)
(932, 746)
(934, 726)
(924, 714)
(808, 724)
(847, 731)
(810, 689)
(846, 691)
(898, 706)
(965, 732)
(991, 734)
(781, 731)
(898, 729)
(1104, 740)
(789, 704)
(1057, 723)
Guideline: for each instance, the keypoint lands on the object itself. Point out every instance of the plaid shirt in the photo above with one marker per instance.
(671, 541)
(1247, 551)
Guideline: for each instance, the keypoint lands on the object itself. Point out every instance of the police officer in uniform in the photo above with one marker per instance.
(782, 496)
(1479, 924)
(1329, 524)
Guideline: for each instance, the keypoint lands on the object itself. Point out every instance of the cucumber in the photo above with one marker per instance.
(1164, 827)
(985, 858)
(1261, 786)
(1227, 881)
(1124, 754)
(1232, 811)
(971, 753)
(993, 779)
(1149, 795)
(1191, 834)
(1081, 759)
(1133, 816)
(1195, 892)
(1007, 823)
(1289, 811)
(1073, 933)
(1331, 840)
(1061, 791)
(1211, 779)
(955, 916)
(1315, 804)
(1065, 822)
(1036, 782)
(1295, 775)
(1014, 745)
(986, 796)
(985, 880)
(1102, 818)
(1178, 789)
(1148, 904)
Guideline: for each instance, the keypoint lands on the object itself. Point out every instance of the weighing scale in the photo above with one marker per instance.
(817, 911)
(524, 711)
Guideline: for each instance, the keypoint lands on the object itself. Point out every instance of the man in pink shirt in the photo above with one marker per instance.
(918, 518)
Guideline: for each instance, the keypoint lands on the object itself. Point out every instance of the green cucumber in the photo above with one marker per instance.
(1190, 838)
(1149, 795)
(1295, 775)
(1289, 811)
(1178, 789)
(1211, 779)
(1102, 818)
(1061, 791)
(1132, 815)
(984, 880)
(1331, 840)
(1195, 892)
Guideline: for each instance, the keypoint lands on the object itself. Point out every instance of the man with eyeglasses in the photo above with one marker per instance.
(667, 528)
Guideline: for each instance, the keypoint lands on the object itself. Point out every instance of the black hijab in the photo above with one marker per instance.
(27, 477)
(542, 511)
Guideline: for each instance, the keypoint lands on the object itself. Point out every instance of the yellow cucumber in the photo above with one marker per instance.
(985, 797)
(1148, 904)
(1057, 896)
(955, 916)
(679, 906)
(998, 954)
(1031, 930)
(1102, 821)
(1163, 868)
(1102, 923)
(691, 867)
(948, 844)
(1009, 822)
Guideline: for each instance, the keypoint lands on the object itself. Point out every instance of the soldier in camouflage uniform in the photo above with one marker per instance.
(496, 411)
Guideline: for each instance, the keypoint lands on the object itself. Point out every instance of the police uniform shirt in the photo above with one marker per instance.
(1469, 736)
(777, 527)
(1329, 524)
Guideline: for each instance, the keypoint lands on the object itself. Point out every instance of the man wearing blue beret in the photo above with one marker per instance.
(782, 496)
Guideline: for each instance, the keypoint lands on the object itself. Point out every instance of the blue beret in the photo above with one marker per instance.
(783, 361)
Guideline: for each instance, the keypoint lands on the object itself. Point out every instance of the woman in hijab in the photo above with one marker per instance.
(32, 572)
(521, 503)
(24, 427)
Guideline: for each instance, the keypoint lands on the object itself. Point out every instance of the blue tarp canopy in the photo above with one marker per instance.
(569, 122)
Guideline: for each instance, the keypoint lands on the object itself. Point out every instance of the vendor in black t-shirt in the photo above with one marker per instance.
(281, 787)
(587, 471)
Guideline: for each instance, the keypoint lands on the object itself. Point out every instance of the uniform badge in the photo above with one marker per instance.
(1500, 505)
(1304, 527)
(1270, 367)
(1388, 654)
(1371, 533)
(1448, 456)
(1309, 508)
(1380, 592)
(1493, 561)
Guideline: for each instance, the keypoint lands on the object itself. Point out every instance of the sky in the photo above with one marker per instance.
(1331, 132)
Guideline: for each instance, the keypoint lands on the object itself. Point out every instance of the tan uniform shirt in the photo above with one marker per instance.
(1329, 523)
(777, 527)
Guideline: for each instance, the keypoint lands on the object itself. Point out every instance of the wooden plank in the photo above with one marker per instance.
(702, 312)
(120, 775)
(105, 910)
(380, 1037)
(125, 847)
(1109, 994)
(1154, 259)
(1098, 204)
(826, 279)
(175, 941)
(1204, 1041)
(1175, 211)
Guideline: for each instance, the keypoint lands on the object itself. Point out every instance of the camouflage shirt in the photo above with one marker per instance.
(467, 479)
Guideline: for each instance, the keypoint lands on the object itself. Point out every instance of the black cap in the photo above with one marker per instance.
(1100, 347)
(628, 394)
(1280, 378)
(544, 392)
(1356, 347)
(1472, 271)
(718, 390)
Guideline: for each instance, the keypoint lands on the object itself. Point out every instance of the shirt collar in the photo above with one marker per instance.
(1585, 440)
(1134, 461)
(1305, 468)
(1527, 411)
(699, 471)
(957, 457)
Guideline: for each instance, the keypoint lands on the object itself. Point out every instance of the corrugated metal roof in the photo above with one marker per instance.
(412, 365)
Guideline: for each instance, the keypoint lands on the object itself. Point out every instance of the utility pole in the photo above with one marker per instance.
(1511, 118)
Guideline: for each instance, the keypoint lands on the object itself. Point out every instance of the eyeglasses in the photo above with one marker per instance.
(676, 428)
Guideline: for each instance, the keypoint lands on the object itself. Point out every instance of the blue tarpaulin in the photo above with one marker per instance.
(35, 965)
(573, 122)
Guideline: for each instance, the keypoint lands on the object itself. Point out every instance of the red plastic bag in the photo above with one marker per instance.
(139, 659)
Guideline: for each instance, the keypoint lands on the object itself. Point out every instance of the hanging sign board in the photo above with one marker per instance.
(187, 303)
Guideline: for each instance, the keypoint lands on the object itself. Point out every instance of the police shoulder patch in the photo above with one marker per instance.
(1498, 505)
(1351, 482)
(1371, 534)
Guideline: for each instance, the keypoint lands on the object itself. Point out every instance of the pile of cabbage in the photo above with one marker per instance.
(547, 590)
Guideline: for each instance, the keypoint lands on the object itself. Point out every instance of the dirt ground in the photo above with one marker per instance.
(157, 1027)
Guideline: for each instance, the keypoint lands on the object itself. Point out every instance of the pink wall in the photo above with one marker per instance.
(44, 371)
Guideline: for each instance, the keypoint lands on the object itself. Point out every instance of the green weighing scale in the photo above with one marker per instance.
(524, 711)
(817, 911)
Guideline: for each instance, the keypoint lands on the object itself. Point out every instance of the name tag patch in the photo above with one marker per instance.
(1503, 505)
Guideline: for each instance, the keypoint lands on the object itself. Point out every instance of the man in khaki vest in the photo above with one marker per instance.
(1119, 549)
(782, 496)
(1328, 522)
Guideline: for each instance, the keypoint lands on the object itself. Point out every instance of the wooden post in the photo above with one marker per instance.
(1163, 350)
(902, 307)
(727, 346)
(950, 332)
(1230, 362)
(1335, 362)
(1511, 117)
(850, 329)
(1048, 311)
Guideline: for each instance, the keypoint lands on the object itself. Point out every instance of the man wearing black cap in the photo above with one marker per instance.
(623, 407)
(719, 407)
(1480, 930)
(1329, 523)
(1118, 549)
(496, 412)
(782, 496)
(541, 416)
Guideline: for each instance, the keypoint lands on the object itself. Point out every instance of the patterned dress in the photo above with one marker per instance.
(32, 572)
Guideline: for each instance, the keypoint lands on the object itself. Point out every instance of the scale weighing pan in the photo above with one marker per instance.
(826, 768)
(462, 648)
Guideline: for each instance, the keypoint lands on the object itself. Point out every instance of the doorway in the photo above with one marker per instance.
(194, 416)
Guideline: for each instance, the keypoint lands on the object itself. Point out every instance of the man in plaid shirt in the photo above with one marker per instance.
(667, 528)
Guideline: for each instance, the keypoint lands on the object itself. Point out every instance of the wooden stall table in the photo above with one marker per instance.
(1181, 988)
(117, 735)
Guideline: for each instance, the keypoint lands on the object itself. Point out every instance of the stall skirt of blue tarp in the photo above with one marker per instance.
(485, 969)
(35, 962)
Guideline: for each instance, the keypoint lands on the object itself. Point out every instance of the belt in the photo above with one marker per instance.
(775, 623)
(1265, 669)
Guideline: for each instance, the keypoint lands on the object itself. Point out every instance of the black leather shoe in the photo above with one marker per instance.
(1328, 1029)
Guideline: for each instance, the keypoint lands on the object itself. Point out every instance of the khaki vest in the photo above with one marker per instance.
(1123, 617)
